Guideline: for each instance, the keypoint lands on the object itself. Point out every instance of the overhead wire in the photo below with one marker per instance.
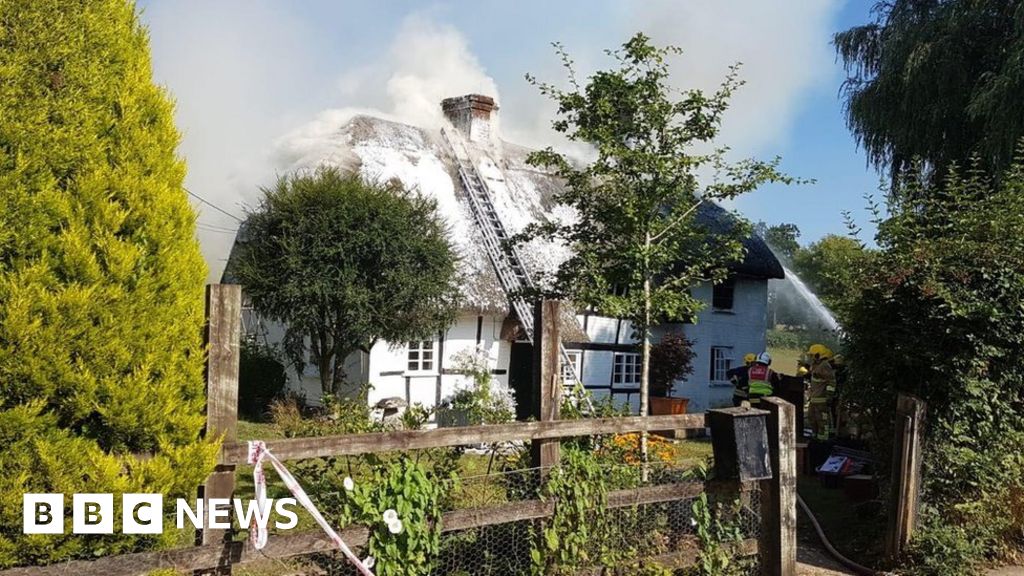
(215, 227)
(211, 204)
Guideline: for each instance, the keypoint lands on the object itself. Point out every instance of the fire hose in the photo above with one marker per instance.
(857, 568)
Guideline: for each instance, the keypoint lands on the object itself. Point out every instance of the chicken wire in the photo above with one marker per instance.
(664, 533)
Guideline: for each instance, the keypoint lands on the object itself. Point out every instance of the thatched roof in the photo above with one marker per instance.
(383, 149)
(758, 260)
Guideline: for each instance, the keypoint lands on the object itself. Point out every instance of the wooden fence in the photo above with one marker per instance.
(215, 552)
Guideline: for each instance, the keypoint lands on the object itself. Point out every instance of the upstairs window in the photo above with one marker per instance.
(721, 362)
(421, 356)
(722, 294)
(626, 369)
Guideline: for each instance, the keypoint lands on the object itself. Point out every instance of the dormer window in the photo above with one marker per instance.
(723, 295)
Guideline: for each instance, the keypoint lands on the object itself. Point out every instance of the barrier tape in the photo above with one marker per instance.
(257, 453)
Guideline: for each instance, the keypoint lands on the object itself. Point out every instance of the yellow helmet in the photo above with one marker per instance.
(819, 350)
(749, 358)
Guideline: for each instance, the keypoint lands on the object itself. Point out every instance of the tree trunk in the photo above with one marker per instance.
(645, 357)
(324, 365)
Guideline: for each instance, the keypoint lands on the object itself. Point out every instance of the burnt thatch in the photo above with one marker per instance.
(758, 260)
(383, 149)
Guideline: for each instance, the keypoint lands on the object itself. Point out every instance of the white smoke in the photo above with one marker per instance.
(246, 72)
(426, 62)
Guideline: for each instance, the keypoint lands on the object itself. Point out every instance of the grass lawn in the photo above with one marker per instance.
(692, 452)
(784, 360)
(249, 430)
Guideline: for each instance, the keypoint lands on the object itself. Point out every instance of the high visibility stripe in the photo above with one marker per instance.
(761, 388)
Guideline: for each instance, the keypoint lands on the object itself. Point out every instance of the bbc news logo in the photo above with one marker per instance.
(144, 513)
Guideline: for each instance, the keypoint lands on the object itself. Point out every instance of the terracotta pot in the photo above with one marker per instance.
(668, 406)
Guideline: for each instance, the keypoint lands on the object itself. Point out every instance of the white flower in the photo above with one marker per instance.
(369, 561)
(693, 521)
(348, 484)
(395, 527)
(390, 515)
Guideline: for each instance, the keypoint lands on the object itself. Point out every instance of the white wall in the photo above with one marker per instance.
(742, 329)
(388, 365)
(597, 364)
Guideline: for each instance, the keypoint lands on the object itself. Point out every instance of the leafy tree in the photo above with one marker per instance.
(939, 316)
(344, 263)
(637, 200)
(833, 267)
(101, 278)
(938, 80)
(781, 238)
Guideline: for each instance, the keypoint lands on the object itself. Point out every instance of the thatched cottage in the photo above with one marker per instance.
(600, 348)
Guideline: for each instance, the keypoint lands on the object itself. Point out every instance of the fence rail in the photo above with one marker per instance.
(354, 444)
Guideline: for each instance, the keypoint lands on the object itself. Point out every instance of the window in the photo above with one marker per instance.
(626, 369)
(421, 355)
(574, 361)
(721, 362)
(722, 294)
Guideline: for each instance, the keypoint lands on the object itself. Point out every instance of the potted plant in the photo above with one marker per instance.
(671, 360)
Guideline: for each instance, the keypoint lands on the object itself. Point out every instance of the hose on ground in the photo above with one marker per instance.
(857, 568)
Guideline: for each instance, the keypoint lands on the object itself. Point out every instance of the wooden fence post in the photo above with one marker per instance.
(906, 472)
(223, 332)
(778, 494)
(547, 379)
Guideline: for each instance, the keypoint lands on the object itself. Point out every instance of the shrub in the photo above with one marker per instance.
(481, 402)
(671, 360)
(349, 415)
(261, 378)
(101, 277)
(402, 489)
(939, 316)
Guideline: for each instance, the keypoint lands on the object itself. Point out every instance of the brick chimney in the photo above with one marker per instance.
(474, 115)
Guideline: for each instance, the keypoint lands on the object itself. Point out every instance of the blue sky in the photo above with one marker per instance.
(249, 74)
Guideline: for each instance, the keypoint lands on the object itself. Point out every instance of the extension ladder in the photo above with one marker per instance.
(504, 256)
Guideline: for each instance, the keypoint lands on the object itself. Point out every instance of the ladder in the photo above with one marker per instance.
(504, 256)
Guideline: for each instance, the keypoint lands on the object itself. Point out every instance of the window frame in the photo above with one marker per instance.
(622, 361)
(416, 365)
(576, 357)
(721, 359)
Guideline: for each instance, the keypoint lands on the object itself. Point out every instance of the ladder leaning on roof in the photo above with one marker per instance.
(504, 256)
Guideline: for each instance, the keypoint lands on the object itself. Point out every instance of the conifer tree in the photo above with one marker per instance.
(101, 277)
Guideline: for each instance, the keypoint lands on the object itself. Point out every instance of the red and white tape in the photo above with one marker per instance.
(258, 533)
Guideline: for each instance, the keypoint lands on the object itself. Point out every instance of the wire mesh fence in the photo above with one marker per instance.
(637, 522)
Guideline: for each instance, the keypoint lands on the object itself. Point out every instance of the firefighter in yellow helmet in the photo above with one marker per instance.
(738, 377)
(822, 389)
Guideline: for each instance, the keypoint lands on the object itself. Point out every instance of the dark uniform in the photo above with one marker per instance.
(741, 384)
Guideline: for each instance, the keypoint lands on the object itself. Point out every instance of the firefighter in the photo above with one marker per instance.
(761, 379)
(738, 377)
(822, 389)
